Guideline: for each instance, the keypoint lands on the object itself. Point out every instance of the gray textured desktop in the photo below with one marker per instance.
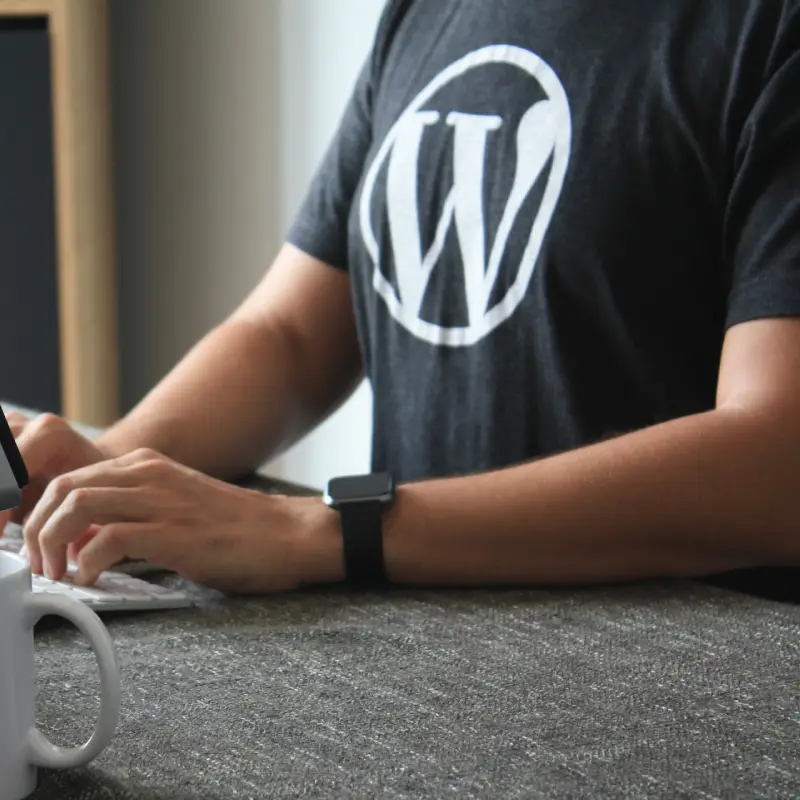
(654, 690)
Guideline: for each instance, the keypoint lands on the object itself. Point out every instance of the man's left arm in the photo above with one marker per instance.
(695, 496)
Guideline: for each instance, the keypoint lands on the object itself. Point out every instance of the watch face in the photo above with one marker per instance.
(377, 486)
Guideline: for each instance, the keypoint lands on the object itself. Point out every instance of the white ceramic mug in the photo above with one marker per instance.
(22, 747)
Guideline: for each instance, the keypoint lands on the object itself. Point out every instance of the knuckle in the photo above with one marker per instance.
(151, 468)
(60, 487)
(46, 536)
(48, 423)
(111, 533)
(158, 466)
(115, 535)
(78, 499)
(145, 454)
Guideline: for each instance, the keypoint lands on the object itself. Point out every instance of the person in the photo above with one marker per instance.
(562, 241)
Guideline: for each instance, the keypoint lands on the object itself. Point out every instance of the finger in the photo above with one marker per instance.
(74, 548)
(54, 495)
(39, 501)
(32, 551)
(80, 510)
(103, 474)
(110, 545)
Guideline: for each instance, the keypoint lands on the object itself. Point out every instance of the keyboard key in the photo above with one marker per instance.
(113, 591)
(41, 584)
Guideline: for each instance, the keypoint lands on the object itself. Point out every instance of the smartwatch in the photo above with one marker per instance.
(361, 501)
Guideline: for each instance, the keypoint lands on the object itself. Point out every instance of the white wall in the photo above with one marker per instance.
(223, 110)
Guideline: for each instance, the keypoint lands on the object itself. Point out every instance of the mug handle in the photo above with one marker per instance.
(41, 752)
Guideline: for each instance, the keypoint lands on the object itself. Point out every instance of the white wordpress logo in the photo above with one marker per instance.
(544, 136)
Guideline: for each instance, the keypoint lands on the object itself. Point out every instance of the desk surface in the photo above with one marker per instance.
(658, 690)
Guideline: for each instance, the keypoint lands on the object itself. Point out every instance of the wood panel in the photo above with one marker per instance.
(84, 203)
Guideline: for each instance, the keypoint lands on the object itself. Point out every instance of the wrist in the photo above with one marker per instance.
(320, 553)
(133, 433)
(107, 448)
(112, 444)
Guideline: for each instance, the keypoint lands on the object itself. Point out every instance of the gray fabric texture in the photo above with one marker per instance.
(667, 690)
(651, 691)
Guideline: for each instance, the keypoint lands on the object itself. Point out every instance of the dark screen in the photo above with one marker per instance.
(29, 319)
(343, 489)
(12, 453)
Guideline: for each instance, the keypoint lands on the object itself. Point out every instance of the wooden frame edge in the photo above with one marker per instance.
(84, 204)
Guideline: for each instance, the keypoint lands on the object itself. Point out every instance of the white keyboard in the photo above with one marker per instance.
(114, 591)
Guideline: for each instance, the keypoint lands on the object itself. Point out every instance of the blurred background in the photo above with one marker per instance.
(221, 111)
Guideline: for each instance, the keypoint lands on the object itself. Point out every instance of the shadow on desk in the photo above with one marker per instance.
(775, 583)
(94, 784)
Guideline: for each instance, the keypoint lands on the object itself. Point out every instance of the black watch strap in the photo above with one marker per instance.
(362, 534)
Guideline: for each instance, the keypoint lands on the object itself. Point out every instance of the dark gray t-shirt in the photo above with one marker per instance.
(552, 210)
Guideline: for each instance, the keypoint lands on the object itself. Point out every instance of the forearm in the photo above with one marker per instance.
(284, 360)
(234, 399)
(695, 496)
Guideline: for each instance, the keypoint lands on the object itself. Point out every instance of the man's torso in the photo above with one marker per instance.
(538, 242)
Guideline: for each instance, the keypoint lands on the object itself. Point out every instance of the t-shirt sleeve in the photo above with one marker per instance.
(762, 225)
(321, 225)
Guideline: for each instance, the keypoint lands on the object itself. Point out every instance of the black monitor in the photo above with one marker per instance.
(13, 474)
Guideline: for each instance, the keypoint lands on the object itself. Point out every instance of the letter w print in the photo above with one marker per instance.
(543, 144)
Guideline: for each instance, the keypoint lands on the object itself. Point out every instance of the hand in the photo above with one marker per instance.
(49, 447)
(143, 505)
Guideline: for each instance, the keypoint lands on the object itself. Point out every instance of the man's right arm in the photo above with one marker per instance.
(279, 365)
